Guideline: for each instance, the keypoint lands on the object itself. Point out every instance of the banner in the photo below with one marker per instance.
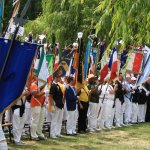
(1, 14)
(16, 71)
(49, 59)
(40, 66)
(64, 63)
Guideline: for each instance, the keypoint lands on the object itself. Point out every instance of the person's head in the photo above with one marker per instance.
(57, 79)
(71, 81)
(120, 77)
(133, 80)
(128, 79)
(148, 80)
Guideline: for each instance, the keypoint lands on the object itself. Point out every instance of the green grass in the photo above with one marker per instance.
(136, 137)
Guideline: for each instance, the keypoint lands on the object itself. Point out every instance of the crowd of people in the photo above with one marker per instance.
(91, 107)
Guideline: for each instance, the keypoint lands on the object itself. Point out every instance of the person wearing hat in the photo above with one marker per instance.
(56, 98)
(93, 105)
(107, 98)
(71, 104)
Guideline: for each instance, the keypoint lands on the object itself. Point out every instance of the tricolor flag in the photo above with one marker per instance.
(113, 64)
(40, 66)
(16, 71)
(104, 67)
(135, 60)
(124, 56)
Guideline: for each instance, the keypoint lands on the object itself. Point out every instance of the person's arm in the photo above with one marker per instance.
(51, 100)
(37, 94)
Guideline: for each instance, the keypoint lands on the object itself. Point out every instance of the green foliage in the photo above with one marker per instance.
(129, 20)
(33, 12)
(65, 18)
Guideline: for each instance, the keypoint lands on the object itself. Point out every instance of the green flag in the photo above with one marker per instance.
(49, 59)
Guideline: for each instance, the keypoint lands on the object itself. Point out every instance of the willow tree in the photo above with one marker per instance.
(124, 19)
(64, 18)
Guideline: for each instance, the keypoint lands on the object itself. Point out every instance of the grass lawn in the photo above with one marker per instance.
(135, 137)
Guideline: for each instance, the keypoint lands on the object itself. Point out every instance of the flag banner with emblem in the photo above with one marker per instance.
(64, 63)
(1, 14)
(16, 71)
(135, 60)
(87, 57)
(49, 59)
(40, 66)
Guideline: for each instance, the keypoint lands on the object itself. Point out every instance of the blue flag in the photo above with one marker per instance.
(124, 58)
(16, 71)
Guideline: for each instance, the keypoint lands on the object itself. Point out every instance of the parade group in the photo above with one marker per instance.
(96, 105)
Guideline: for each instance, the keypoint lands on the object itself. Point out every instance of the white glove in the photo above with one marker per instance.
(46, 91)
(147, 93)
(140, 88)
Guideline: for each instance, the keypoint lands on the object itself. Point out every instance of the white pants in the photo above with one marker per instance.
(18, 125)
(92, 115)
(37, 121)
(65, 112)
(3, 143)
(119, 109)
(108, 113)
(27, 113)
(72, 121)
(48, 115)
(134, 116)
(128, 110)
(101, 117)
(142, 112)
(56, 124)
(112, 117)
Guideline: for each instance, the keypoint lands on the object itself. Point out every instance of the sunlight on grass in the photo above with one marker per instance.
(136, 137)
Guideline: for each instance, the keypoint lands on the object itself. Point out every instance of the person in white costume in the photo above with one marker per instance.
(18, 118)
(107, 97)
(3, 143)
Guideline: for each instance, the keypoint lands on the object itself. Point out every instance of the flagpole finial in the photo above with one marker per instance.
(80, 34)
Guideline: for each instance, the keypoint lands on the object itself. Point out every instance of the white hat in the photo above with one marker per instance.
(133, 79)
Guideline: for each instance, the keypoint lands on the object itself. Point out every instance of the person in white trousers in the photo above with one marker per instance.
(127, 100)
(3, 143)
(135, 95)
(56, 98)
(18, 118)
(71, 105)
(93, 107)
(37, 111)
(107, 95)
(119, 100)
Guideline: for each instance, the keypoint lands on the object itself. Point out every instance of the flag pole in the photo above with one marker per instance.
(18, 21)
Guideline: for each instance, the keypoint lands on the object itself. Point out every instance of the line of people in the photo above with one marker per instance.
(90, 107)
